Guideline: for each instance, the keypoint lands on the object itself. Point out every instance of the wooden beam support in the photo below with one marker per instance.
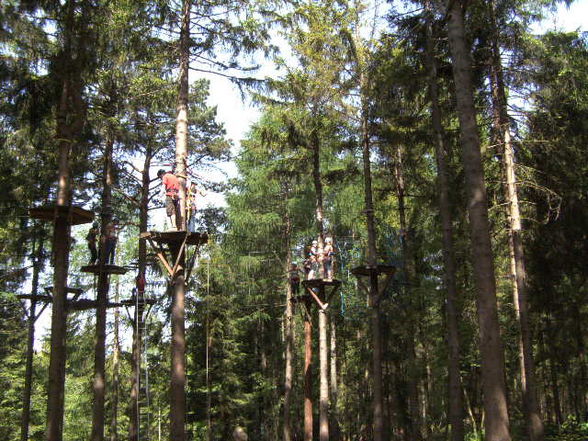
(178, 257)
(161, 255)
(321, 305)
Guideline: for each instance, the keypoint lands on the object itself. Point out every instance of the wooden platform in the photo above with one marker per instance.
(320, 291)
(68, 290)
(387, 271)
(37, 298)
(74, 215)
(84, 304)
(365, 270)
(317, 283)
(108, 269)
(175, 237)
(132, 301)
(48, 298)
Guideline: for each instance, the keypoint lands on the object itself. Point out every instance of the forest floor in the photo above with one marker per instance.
(570, 431)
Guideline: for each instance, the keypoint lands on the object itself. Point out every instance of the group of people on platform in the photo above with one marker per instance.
(107, 242)
(171, 185)
(317, 265)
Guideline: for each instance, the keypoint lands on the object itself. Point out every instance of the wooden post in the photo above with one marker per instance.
(178, 362)
(324, 375)
(178, 351)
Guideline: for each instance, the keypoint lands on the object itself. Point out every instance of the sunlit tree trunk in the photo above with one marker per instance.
(492, 366)
(69, 122)
(323, 349)
(531, 409)
(334, 381)
(324, 380)
(289, 338)
(372, 260)
(178, 358)
(139, 310)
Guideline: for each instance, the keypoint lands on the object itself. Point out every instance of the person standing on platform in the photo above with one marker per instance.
(109, 241)
(193, 193)
(328, 257)
(92, 238)
(294, 278)
(313, 259)
(171, 185)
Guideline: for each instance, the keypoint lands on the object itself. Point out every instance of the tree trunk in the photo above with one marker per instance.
(335, 430)
(70, 120)
(324, 379)
(61, 241)
(138, 318)
(178, 359)
(307, 373)
(495, 404)
(182, 135)
(377, 400)
(99, 384)
(115, 370)
(318, 187)
(289, 340)
(413, 430)
(32, 317)
(208, 385)
(455, 402)
(531, 409)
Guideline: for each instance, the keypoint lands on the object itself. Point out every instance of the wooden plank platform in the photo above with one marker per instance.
(109, 269)
(317, 290)
(133, 302)
(84, 304)
(68, 290)
(37, 298)
(75, 215)
(365, 270)
(176, 237)
(317, 283)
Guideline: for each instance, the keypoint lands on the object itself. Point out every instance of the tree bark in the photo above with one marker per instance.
(495, 404)
(455, 402)
(289, 338)
(413, 430)
(178, 357)
(99, 384)
(531, 409)
(318, 187)
(377, 399)
(324, 379)
(138, 317)
(182, 135)
(334, 382)
(70, 120)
